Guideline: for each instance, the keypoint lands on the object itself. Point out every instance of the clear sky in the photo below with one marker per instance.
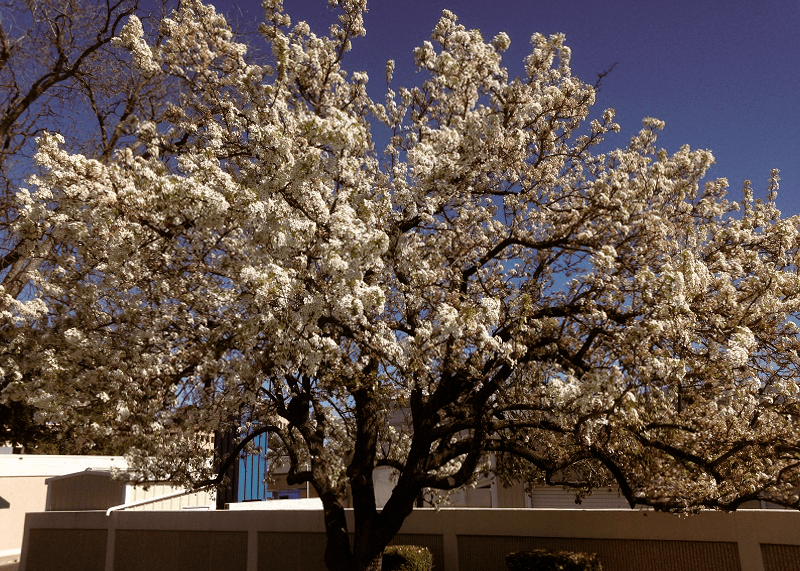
(723, 74)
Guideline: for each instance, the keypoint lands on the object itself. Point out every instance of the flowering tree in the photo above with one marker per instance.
(58, 71)
(490, 278)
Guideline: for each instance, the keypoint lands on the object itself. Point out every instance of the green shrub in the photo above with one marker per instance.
(550, 560)
(407, 558)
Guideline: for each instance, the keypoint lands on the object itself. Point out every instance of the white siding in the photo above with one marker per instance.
(195, 500)
(559, 498)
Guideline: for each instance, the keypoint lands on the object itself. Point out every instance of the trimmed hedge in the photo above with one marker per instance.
(551, 560)
(407, 558)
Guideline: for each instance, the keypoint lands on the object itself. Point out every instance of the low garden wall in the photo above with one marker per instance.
(461, 539)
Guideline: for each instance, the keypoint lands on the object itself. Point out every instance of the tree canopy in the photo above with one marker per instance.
(459, 271)
(60, 72)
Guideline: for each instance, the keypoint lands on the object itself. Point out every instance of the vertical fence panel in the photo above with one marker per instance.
(485, 553)
(66, 550)
(179, 550)
(781, 557)
(291, 551)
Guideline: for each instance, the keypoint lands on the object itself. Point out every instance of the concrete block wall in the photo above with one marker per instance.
(461, 539)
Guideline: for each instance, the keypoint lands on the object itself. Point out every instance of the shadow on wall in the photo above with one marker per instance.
(4, 505)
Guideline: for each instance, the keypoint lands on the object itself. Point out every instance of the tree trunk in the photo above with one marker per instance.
(338, 555)
(372, 531)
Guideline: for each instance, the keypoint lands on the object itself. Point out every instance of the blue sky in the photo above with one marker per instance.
(723, 74)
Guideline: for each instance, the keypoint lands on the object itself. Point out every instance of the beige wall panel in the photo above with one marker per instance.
(144, 550)
(18, 495)
(481, 553)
